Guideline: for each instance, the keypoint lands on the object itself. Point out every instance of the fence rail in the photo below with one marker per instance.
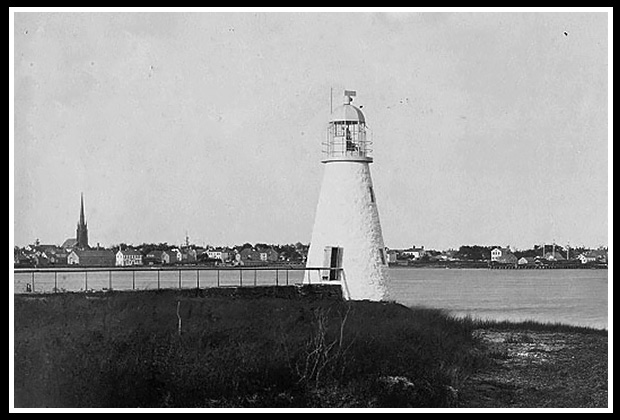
(29, 280)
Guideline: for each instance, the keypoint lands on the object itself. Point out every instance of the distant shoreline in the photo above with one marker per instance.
(442, 265)
(485, 266)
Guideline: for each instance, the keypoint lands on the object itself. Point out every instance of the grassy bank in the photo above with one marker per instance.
(125, 349)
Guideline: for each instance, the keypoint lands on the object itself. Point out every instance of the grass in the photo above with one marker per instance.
(550, 327)
(124, 349)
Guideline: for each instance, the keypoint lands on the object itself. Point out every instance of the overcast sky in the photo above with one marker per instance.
(489, 128)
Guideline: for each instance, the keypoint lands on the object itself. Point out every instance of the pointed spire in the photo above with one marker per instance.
(82, 221)
(81, 234)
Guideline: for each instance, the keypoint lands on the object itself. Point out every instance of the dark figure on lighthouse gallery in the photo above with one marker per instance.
(351, 147)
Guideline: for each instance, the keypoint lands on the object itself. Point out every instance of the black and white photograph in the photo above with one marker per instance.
(293, 210)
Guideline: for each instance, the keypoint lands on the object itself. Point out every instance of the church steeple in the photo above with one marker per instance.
(81, 234)
(82, 221)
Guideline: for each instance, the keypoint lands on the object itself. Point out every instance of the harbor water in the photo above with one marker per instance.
(576, 297)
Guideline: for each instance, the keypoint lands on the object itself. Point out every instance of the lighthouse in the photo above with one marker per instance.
(346, 239)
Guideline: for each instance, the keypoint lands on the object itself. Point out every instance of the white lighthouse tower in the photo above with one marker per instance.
(347, 234)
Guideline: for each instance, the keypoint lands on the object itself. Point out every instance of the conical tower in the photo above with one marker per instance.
(347, 233)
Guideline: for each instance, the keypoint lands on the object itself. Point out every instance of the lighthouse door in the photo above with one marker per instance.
(333, 260)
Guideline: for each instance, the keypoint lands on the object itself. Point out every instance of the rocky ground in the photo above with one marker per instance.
(540, 369)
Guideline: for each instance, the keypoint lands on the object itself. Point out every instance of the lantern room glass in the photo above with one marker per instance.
(347, 139)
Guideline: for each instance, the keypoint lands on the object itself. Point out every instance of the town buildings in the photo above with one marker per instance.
(220, 254)
(50, 255)
(593, 256)
(92, 257)
(526, 261)
(554, 256)
(413, 252)
(73, 251)
(163, 257)
(503, 256)
(256, 256)
(128, 257)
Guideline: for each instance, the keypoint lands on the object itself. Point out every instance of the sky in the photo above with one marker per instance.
(488, 128)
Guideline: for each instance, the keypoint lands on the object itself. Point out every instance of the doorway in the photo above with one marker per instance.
(333, 260)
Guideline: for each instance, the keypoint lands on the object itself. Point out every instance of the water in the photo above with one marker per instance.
(576, 297)
(145, 279)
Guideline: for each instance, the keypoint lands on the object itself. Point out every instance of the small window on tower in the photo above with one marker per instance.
(372, 194)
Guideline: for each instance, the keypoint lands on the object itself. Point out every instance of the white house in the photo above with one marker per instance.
(415, 252)
(73, 258)
(220, 254)
(215, 254)
(503, 255)
(128, 257)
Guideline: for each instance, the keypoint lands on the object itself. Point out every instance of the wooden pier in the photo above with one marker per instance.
(545, 266)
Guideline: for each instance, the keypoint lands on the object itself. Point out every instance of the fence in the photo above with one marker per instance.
(46, 280)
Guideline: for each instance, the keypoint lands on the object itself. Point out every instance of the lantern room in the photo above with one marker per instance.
(347, 134)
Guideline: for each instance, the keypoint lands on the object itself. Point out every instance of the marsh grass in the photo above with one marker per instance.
(125, 349)
(534, 326)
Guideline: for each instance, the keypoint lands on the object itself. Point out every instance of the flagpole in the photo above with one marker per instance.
(331, 100)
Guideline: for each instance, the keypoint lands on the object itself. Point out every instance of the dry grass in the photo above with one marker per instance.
(125, 349)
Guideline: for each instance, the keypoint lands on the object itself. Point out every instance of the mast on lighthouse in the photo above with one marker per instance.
(347, 238)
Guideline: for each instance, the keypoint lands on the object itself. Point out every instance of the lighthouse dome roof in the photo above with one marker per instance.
(347, 112)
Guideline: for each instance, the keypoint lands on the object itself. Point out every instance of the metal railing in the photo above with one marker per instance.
(54, 280)
(341, 144)
(347, 149)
